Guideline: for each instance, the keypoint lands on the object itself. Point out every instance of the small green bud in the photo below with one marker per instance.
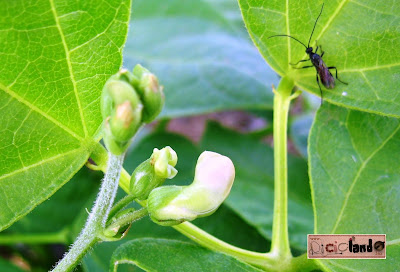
(164, 161)
(171, 205)
(152, 173)
(122, 111)
(113, 229)
(150, 92)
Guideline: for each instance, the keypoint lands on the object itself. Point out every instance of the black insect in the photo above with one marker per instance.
(322, 70)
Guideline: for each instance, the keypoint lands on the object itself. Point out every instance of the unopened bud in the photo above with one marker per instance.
(122, 111)
(150, 92)
(153, 172)
(171, 205)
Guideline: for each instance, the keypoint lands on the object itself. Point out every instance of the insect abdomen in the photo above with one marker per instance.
(326, 77)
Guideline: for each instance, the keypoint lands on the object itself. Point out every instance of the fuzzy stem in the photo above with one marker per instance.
(280, 238)
(97, 217)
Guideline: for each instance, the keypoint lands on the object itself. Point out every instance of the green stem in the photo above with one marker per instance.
(97, 218)
(36, 238)
(280, 239)
(301, 263)
(203, 238)
(121, 204)
(127, 219)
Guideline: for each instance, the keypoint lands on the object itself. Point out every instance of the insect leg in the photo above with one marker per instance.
(319, 85)
(333, 67)
(308, 66)
(299, 62)
(319, 47)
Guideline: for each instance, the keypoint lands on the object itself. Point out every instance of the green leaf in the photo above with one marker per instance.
(173, 256)
(361, 38)
(199, 50)
(9, 267)
(57, 56)
(299, 130)
(252, 193)
(355, 173)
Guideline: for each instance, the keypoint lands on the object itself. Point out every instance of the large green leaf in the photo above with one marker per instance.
(170, 255)
(355, 175)
(56, 56)
(361, 38)
(252, 194)
(201, 54)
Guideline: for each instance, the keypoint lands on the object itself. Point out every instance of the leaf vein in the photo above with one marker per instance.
(358, 174)
(99, 34)
(36, 109)
(69, 64)
(39, 163)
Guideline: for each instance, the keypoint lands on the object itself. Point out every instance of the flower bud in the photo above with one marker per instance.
(172, 205)
(122, 111)
(150, 92)
(153, 172)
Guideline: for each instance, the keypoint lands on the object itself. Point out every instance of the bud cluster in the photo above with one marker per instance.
(128, 101)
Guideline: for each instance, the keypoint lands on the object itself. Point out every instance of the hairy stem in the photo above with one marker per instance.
(280, 239)
(97, 217)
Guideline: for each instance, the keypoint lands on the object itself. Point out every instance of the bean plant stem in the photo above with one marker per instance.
(128, 218)
(97, 217)
(280, 239)
(262, 260)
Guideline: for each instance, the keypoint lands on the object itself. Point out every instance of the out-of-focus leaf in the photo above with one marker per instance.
(252, 192)
(201, 55)
(163, 255)
(299, 130)
(9, 267)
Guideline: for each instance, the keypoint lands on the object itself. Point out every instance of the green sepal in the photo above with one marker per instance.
(144, 180)
(158, 199)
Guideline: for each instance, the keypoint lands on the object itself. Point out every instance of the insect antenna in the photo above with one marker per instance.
(315, 25)
(289, 37)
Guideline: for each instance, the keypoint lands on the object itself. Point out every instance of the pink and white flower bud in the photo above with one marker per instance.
(214, 176)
